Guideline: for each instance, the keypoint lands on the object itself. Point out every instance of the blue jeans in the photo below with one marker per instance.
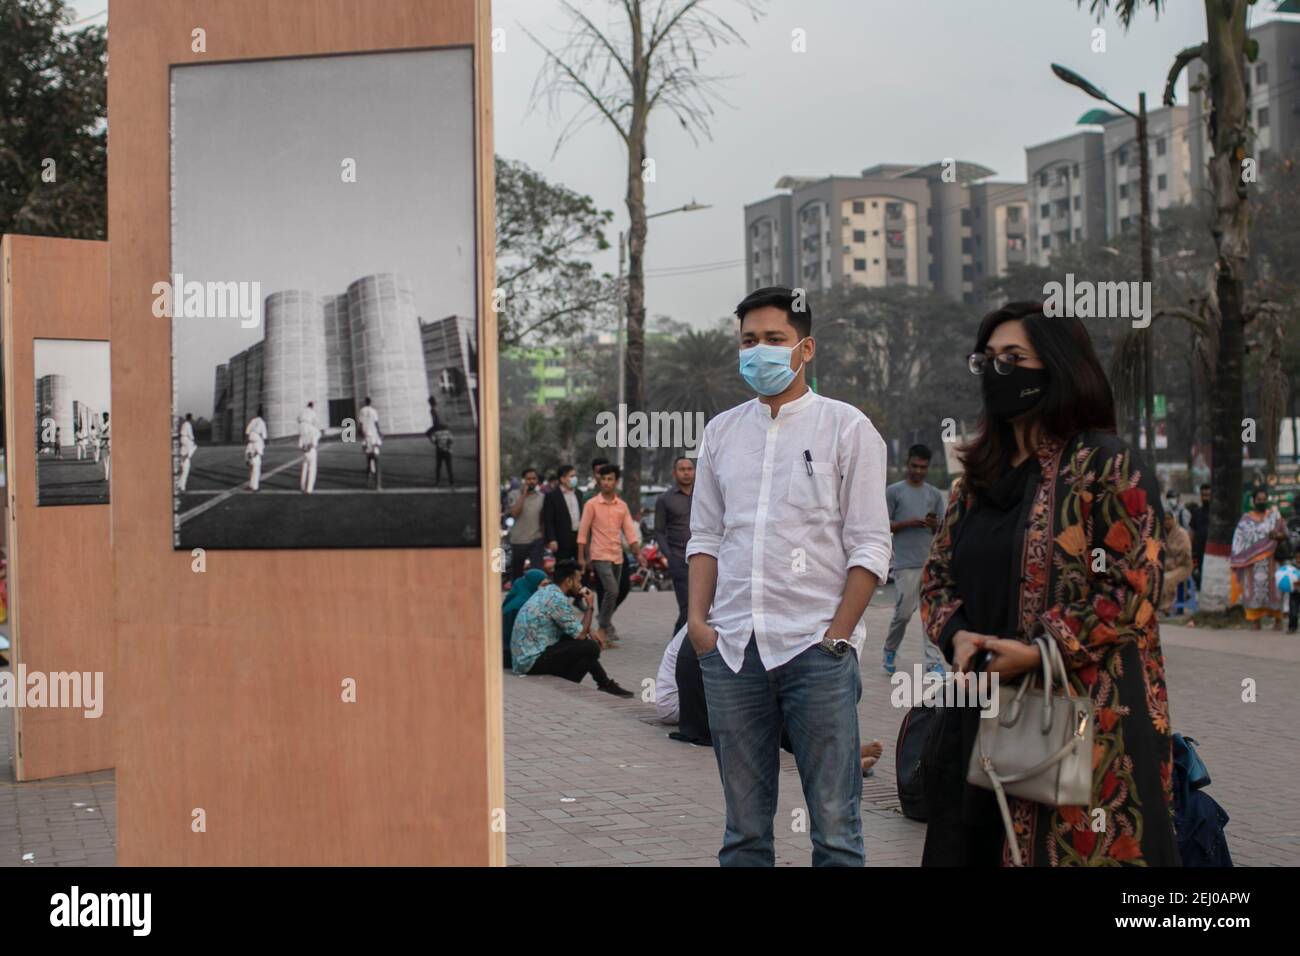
(816, 697)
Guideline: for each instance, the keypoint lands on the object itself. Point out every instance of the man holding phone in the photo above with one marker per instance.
(525, 506)
(915, 507)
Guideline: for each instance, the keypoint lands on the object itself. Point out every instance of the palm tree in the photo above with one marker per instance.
(696, 372)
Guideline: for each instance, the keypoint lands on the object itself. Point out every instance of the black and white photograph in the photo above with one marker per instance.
(73, 405)
(324, 340)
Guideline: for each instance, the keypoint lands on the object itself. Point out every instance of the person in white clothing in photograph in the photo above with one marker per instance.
(789, 540)
(371, 439)
(308, 441)
(255, 434)
(104, 450)
(188, 446)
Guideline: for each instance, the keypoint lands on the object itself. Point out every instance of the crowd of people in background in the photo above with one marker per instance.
(1262, 559)
(777, 536)
(568, 545)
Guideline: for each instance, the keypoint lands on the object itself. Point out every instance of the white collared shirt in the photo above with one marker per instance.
(666, 700)
(784, 540)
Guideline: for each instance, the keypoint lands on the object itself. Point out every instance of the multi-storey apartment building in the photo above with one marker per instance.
(1169, 158)
(1273, 83)
(1067, 191)
(933, 226)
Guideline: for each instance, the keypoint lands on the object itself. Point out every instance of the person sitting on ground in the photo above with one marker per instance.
(551, 636)
(681, 683)
(667, 704)
(519, 593)
(1178, 561)
(680, 700)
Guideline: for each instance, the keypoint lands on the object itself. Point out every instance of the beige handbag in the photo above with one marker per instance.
(1039, 747)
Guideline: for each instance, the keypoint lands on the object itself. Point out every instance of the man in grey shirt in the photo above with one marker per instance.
(525, 506)
(915, 509)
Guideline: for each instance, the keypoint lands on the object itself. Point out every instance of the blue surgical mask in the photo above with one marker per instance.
(766, 368)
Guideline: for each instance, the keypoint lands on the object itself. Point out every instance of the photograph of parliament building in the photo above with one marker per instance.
(337, 350)
(72, 433)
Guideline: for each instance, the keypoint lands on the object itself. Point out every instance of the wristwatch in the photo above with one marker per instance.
(837, 647)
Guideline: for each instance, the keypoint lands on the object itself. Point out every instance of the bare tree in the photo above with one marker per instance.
(1225, 53)
(647, 57)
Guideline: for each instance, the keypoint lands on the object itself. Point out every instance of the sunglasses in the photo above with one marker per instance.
(1004, 363)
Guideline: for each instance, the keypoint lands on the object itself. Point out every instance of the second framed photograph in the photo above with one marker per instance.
(324, 340)
(73, 424)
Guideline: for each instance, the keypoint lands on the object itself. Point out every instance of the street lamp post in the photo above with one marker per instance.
(691, 206)
(1144, 233)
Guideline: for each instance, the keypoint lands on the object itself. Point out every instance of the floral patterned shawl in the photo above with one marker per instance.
(1088, 560)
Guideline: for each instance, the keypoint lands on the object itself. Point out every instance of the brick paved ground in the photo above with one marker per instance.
(592, 781)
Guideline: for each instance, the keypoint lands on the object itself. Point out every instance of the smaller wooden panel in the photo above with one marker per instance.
(60, 558)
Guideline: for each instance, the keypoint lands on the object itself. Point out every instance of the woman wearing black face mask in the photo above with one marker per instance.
(1053, 530)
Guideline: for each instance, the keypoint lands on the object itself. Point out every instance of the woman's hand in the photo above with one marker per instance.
(1010, 658)
(964, 646)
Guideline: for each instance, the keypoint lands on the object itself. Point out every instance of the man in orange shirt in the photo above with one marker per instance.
(605, 520)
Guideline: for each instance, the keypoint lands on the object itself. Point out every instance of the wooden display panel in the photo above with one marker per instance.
(60, 558)
(230, 680)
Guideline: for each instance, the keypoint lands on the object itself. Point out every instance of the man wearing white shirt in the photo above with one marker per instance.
(188, 447)
(789, 539)
(308, 440)
(105, 447)
(371, 439)
(255, 432)
(666, 700)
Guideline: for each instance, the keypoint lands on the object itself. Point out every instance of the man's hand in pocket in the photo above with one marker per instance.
(702, 637)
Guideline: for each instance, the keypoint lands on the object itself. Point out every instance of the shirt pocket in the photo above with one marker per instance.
(815, 492)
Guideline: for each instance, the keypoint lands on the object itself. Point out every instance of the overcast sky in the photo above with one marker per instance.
(881, 81)
(908, 81)
(85, 364)
(259, 194)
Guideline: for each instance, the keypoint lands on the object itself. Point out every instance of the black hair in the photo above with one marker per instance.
(597, 462)
(785, 300)
(1205, 487)
(524, 473)
(564, 570)
(564, 470)
(1077, 397)
(919, 451)
(614, 470)
(682, 458)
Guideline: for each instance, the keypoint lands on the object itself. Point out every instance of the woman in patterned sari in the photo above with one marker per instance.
(1052, 530)
(1253, 562)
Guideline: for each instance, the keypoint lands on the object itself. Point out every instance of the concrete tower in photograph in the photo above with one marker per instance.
(338, 349)
(294, 370)
(387, 352)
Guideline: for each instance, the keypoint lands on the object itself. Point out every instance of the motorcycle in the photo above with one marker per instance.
(654, 575)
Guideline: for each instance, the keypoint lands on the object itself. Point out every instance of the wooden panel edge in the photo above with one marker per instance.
(490, 437)
(11, 526)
